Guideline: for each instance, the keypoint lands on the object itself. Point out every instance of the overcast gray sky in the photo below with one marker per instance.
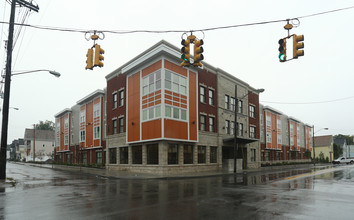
(324, 74)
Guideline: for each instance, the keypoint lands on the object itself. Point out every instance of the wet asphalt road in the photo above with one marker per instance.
(42, 193)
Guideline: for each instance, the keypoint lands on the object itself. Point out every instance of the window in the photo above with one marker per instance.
(153, 113)
(267, 156)
(232, 127)
(211, 97)
(227, 127)
(99, 157)
(252, 132)
(173, 112)
(188, 154)
(172, 154)
(201, 154)
(84, 158)
(253, 155)
(96, 132)
(66, 123)
(152, 82)
(82, 136)
(66, 140)
(58, 134)
(211, 124)
(213, 154)
(168, 79)
(227, 102)
(114, 126)
(175, 82)
(232, 104)
(137, 154)
(112, 155)
(97, 110)
(240, 129)
(152, 153)
(121, 98)
(202, 122)
(202, 94)
(183, 114)
(121, 125)
(240, 106)
(168, 111)
(183, 85)
(115, 99)
(82, 116)
(123, 155)
(252, 111)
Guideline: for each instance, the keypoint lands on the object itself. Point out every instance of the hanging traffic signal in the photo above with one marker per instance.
(185, 52)
(297, 45)
(198, 53)
(282, 50)
(98, 56)
(89, 60)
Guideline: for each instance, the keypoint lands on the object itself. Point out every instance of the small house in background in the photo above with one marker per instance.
(39, 144)
(324, 148)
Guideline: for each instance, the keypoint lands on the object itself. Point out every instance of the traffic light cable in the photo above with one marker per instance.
(176, 31)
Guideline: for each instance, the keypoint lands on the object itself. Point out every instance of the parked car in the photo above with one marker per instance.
(343, 160)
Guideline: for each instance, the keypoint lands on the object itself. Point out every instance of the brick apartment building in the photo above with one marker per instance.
(157, 117)
(80, 131)
(164, 118)
(283, 138)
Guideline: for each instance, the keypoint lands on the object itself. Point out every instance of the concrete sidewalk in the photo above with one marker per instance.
(104, 173)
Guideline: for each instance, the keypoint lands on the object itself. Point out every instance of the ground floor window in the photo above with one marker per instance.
(213, 154)
(152, 153)
(201, 154)
(123, 155)
(68, 159)
(253, 155)
(172, 154)
(137, 154)
(112, 155)
(267, 155)
(99, 157)
(188, 154)
(84, 158)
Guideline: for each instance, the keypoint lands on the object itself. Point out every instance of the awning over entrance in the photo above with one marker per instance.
(239, 140)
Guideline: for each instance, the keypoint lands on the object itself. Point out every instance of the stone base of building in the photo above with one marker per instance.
(171, 169)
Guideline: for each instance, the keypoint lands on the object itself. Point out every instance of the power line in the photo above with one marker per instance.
(309, 103)
(176, 31)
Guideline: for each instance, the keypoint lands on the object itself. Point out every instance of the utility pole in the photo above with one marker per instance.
(5, 108)
(235, 131)
(34, 143)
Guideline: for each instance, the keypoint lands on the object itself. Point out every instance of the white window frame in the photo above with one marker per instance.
(96, 132)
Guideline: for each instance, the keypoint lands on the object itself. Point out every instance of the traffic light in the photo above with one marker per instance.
(98, 56)
(198, 52)
(185, 52)
(282, 50)
(297, 45)
(89, 60)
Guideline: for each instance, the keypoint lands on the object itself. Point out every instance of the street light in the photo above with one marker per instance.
(235, 122)
(313, 142)
(5, 108)
(14, 108)
(54, 73)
